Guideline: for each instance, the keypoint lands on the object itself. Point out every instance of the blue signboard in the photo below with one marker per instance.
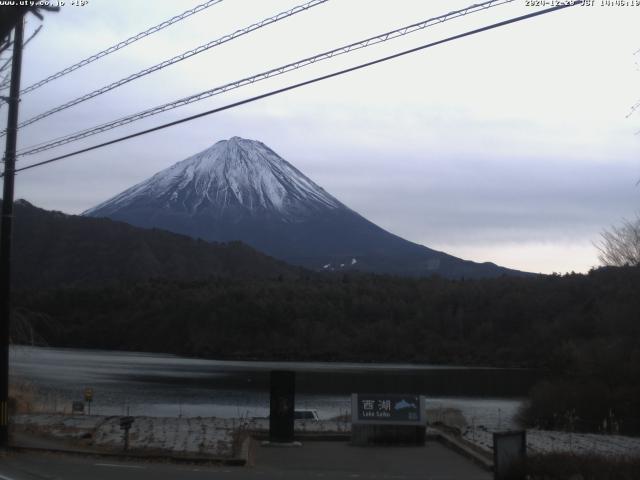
(388, 408)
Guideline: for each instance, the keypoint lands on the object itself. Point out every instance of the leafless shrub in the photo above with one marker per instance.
(620, 246)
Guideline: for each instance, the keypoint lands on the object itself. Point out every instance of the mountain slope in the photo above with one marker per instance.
(52, 249)
(242, 190)
(230, 180)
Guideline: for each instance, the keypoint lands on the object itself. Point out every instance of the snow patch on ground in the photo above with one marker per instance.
(181, 436)
(547, 441)
(172, 435)
(477, 420)
(216, 437)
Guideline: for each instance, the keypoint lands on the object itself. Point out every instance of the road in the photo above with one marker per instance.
(315, 460)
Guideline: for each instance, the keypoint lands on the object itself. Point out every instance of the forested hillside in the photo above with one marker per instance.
(553, 321)
(52, 249)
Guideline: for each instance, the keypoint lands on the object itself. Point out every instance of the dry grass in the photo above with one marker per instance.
(450, 417)
(22, 398)
(343, 417)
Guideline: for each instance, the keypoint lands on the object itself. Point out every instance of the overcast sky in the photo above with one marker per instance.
(512, 146)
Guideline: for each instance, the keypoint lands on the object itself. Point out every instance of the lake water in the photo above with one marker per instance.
(167, 385)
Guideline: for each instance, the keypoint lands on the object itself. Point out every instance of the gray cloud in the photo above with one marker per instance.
(511, 147)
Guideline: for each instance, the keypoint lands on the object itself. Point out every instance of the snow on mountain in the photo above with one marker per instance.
(232, 173)
(242, 190)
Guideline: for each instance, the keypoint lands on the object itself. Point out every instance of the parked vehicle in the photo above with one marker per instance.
(306, 415)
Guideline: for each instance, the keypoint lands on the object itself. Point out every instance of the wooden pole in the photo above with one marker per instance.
(6, 229)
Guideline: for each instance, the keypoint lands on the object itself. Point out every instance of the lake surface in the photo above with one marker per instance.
(168, 385)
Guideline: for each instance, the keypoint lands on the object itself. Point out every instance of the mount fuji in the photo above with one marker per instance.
(240, 189)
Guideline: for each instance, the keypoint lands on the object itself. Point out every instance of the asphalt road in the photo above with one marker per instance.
(315, 460)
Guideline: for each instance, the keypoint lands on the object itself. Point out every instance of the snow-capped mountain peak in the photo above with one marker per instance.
(240, 189)
(235, 176)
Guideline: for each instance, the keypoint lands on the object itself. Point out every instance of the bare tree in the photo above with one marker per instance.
(620, 246)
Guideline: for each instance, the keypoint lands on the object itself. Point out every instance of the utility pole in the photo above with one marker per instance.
(6, 228)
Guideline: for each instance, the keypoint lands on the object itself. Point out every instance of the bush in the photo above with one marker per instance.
(582, 405)
(573, 405)
(21, 398)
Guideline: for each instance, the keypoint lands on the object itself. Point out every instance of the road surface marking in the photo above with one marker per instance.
(117, 466)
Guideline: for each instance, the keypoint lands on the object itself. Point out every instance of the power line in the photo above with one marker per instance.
(5, 65)
(302, 84)
(260, 76)
(32, 36)
(121, 44)
(178, 58)
(6, 45)
(4, 83)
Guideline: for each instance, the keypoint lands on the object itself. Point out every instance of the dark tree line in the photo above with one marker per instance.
(583, 330)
